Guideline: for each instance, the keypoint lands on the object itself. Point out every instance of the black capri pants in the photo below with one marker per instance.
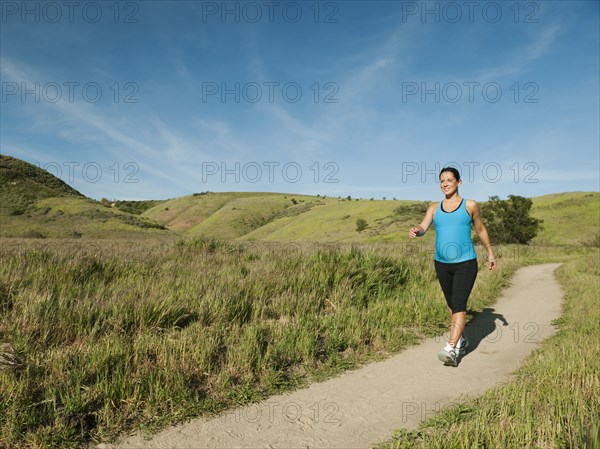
(456, 280)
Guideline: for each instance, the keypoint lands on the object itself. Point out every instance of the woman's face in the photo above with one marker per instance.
(448, 183)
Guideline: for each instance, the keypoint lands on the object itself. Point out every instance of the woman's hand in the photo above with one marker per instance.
(418, 231)
(492, 263)
(414, 232)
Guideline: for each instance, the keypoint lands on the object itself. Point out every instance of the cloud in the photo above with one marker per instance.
(79, 114)
(523, 58)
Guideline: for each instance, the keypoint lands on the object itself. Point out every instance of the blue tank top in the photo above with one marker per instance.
(453, 242)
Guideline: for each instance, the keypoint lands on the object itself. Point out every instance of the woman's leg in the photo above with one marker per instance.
(457, 327)
(445, 275)
(463, 281)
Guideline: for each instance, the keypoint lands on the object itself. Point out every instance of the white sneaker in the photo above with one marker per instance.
(449, 355)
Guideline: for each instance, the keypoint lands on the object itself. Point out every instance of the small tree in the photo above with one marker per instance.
(361, 224)
(508, 221)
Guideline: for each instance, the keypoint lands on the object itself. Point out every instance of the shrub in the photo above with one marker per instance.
(33, 234)
(361, 224)
(412, 209)
(508, 221)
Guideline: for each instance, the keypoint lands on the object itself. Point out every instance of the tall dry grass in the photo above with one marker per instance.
(119, 335)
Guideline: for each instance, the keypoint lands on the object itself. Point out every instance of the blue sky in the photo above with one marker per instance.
(155, 99)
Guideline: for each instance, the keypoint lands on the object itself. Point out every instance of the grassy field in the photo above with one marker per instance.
(158, 321)
(114, 336)
(553, 400)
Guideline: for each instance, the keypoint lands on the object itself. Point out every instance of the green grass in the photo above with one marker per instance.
(132, 207)
(571, 218)
(241, 216)
(78, 217)
(183, 213)
(115, 337)
(553, 401)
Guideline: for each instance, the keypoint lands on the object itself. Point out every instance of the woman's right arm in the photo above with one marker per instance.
(420, 230)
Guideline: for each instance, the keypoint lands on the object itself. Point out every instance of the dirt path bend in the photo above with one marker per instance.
(363, 407)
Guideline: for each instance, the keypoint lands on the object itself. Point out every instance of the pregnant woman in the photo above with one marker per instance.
(455, 257)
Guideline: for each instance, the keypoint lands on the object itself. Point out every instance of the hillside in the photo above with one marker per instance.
(22, 184)
(287, 217)
(35, 203)
(569, 218)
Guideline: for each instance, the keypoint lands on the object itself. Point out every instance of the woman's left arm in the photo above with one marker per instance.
(473, 208)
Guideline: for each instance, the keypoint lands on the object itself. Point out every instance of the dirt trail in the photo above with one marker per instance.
(363, 407)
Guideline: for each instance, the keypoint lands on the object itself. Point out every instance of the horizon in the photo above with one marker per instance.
(158, 100)
(305, 194)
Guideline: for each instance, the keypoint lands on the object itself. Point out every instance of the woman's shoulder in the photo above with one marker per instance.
(471, 206)
(432, 208)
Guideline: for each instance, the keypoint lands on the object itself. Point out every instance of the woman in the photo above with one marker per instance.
(455, 257)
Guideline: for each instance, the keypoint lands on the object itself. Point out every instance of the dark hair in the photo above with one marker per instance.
(451, 170)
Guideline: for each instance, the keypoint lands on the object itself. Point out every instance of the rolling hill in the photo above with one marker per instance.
(37, 204)
(568, 218)
(287, 217)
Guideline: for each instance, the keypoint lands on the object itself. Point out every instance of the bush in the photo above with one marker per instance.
(361, 224)
(508, 221)
(412, 209)
(34, 234)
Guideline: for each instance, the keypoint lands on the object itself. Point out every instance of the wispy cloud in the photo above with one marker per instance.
(80, 114)
(522, 58)
(369, 132)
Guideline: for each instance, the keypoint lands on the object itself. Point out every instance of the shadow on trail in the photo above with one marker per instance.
(483, 325)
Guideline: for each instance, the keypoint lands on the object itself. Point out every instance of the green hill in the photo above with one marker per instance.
(287, 217)
(335, 220)
(229, 215)
(183, 213)
(569, 218)
(23, 184)
(35, 203)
